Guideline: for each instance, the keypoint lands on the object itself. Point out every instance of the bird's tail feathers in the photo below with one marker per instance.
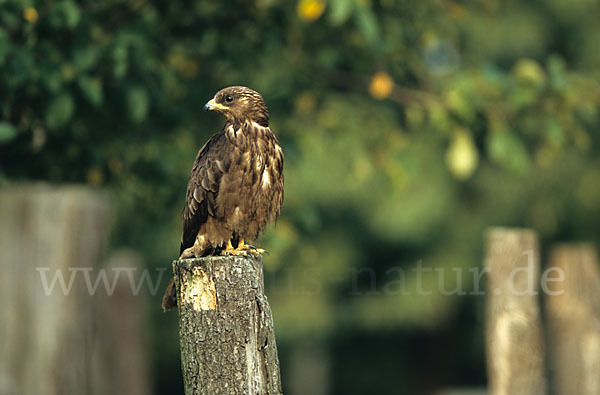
(169, 300)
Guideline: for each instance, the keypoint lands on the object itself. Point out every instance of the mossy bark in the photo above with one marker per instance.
(226, 327)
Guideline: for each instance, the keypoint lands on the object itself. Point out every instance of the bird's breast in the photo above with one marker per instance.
(258, 154)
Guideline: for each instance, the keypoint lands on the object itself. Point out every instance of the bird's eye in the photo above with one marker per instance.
(228, 98)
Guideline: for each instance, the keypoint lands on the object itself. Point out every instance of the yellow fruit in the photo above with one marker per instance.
(462, 156)
(309, 10)
(381, 85)
(30, 14)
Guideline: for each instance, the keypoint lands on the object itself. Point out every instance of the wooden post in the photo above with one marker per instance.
(46, 334)
(57, 335)
(226, 327)
(514, 346)
(573, 314)
(120, 356)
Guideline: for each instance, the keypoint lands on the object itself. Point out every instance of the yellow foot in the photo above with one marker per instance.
(242, 249)
(256, 251)
(229, 250)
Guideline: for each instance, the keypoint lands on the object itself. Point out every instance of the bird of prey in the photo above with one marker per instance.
(236, 185)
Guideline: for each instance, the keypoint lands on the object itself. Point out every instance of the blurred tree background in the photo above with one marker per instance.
(408, 127)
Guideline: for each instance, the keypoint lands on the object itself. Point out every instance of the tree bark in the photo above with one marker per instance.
(226, 327)
(573, 314)
(514, 346)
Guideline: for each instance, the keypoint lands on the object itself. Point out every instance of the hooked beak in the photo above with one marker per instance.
(212, 105)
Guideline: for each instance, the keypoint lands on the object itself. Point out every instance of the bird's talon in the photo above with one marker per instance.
(256, 250)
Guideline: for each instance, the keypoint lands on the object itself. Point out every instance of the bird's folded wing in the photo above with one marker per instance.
(212, 162)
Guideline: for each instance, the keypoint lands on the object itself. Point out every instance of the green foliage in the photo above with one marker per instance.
(7, 132)
(489, 117)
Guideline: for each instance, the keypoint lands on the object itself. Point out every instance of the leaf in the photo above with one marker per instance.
(7, 132)
(558, 73)
(138, 104)
(528, 71)
(51, 78)
(459, 104)
(120, 60)
(59, 111)
(92, 90)
(19, 66)
(367, 24)
(507, 149)
(85, 58)
(340, 11)
(554, 132)
(65, 14)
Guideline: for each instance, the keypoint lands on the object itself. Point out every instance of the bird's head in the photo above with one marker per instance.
(239, 104)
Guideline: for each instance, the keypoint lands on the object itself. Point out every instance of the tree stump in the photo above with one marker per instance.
(573, 314)
(226, 327)
(514, 346)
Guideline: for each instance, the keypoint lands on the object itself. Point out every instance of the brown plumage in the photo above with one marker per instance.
(236, 185)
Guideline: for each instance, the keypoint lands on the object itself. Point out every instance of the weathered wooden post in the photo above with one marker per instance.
(226, 327)
(573, 316)
(120, 357)
(47, 232)
(514, 346)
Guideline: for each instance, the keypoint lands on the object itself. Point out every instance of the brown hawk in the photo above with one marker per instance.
(236, 185)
